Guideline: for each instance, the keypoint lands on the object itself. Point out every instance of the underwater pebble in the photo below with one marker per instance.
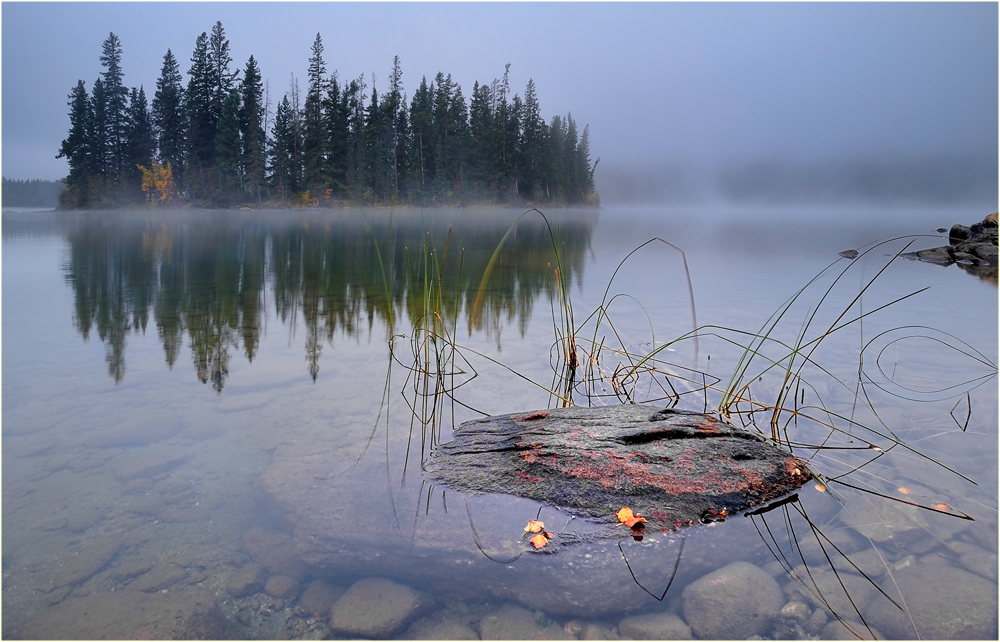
(795, 610)
(281, 587)
(318, 597)
(246, 581)
(516, 623)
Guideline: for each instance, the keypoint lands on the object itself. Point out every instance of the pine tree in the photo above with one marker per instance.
(252, 131)
(313, 160)
(116, 106)
(75, 147)
(168, 115)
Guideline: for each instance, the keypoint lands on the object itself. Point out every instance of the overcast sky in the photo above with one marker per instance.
(657, 83)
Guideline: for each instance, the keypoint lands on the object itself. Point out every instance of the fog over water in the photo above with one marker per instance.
(687, 103)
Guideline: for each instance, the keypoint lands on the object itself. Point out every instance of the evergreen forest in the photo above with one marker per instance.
(34, 193)
(218, 142)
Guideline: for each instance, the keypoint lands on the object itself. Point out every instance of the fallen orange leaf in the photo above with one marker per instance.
(534, 526)
(538, 541)
(905, 491)
(636, 522)
(944, 508)
(625, 514)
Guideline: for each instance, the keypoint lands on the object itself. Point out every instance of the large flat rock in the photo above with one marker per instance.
(679, 468)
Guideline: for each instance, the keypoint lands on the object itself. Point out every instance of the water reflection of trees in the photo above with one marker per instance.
(206, 278)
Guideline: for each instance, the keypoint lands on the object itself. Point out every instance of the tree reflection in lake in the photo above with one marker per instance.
(207, 275)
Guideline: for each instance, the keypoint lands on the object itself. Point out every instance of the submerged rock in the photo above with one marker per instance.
(654, 626)
(682, 467)
(732, 603)
(376, 608)
(515, 623)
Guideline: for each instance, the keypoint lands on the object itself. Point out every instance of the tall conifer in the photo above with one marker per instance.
(75, 147)
(168, 115)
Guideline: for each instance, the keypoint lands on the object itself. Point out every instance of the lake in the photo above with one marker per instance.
(214, 423)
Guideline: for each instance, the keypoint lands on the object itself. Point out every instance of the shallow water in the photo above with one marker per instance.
(204, 434)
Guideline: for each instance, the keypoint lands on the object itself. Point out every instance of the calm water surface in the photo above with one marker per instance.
(206, 432)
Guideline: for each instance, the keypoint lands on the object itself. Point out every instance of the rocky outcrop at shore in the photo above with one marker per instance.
(974, 246)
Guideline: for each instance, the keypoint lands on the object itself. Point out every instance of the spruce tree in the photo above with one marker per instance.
(422, 139)
(335, 136)
(201, 120)
(532, 145)
(97, 132)
(480, 160)
(75, 147)
(553, 170)
(394, 108)
(116, 106)
(229, 151)
(222, 79)
(313, 160)
(354, 100)
(281, 160)
(252, 132)
(140, 143)
(168, 115)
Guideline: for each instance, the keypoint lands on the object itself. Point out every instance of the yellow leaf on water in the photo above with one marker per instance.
(625, 514)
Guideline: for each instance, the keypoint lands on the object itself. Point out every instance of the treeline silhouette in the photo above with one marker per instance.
(35, 193)
(214, 142)
(209, 282)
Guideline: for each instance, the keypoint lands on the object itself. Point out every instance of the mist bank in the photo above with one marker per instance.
(939, 180)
